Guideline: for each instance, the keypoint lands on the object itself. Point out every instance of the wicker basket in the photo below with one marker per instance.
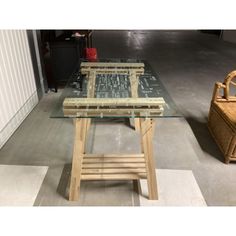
(222, 118)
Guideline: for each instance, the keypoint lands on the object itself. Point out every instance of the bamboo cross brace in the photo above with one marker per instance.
(127, 107)
(111, 65)
(111, 71)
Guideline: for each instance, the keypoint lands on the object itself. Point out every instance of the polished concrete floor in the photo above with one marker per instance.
(188, 63)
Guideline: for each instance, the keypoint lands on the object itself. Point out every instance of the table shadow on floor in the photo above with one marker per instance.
(204, 138)
(63, 186)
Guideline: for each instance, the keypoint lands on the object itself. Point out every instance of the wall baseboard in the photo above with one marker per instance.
(17, 119)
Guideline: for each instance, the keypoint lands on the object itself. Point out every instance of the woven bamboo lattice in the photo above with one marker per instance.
(222, 117)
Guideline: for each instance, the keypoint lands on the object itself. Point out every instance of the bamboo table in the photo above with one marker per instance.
(87, 166)
(98, 99)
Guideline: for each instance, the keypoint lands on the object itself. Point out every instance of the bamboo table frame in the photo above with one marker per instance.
(134, 167)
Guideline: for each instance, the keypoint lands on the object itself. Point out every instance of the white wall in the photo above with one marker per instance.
(18, 94)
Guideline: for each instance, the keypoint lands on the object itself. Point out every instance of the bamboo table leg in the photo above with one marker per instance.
(146, 142)
(136, 182)
(78, 154)
(88, 124)
(153, 123)
(134, 78)
(137, 124)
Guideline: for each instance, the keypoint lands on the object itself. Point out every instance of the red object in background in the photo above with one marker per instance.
(91, 54)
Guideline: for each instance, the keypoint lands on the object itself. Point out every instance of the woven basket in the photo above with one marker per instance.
(222, 117)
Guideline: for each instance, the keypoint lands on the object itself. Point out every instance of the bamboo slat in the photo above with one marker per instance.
(114, 176)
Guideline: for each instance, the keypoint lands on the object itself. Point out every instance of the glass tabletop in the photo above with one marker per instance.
(113, 95)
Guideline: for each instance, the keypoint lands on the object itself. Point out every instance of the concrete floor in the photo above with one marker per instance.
(188, 63)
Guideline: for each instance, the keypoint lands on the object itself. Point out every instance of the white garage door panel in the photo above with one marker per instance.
(17, 85)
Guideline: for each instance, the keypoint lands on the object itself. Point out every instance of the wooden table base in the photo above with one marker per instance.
(113, 166)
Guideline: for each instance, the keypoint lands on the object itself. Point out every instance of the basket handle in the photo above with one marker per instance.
(226, 86)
